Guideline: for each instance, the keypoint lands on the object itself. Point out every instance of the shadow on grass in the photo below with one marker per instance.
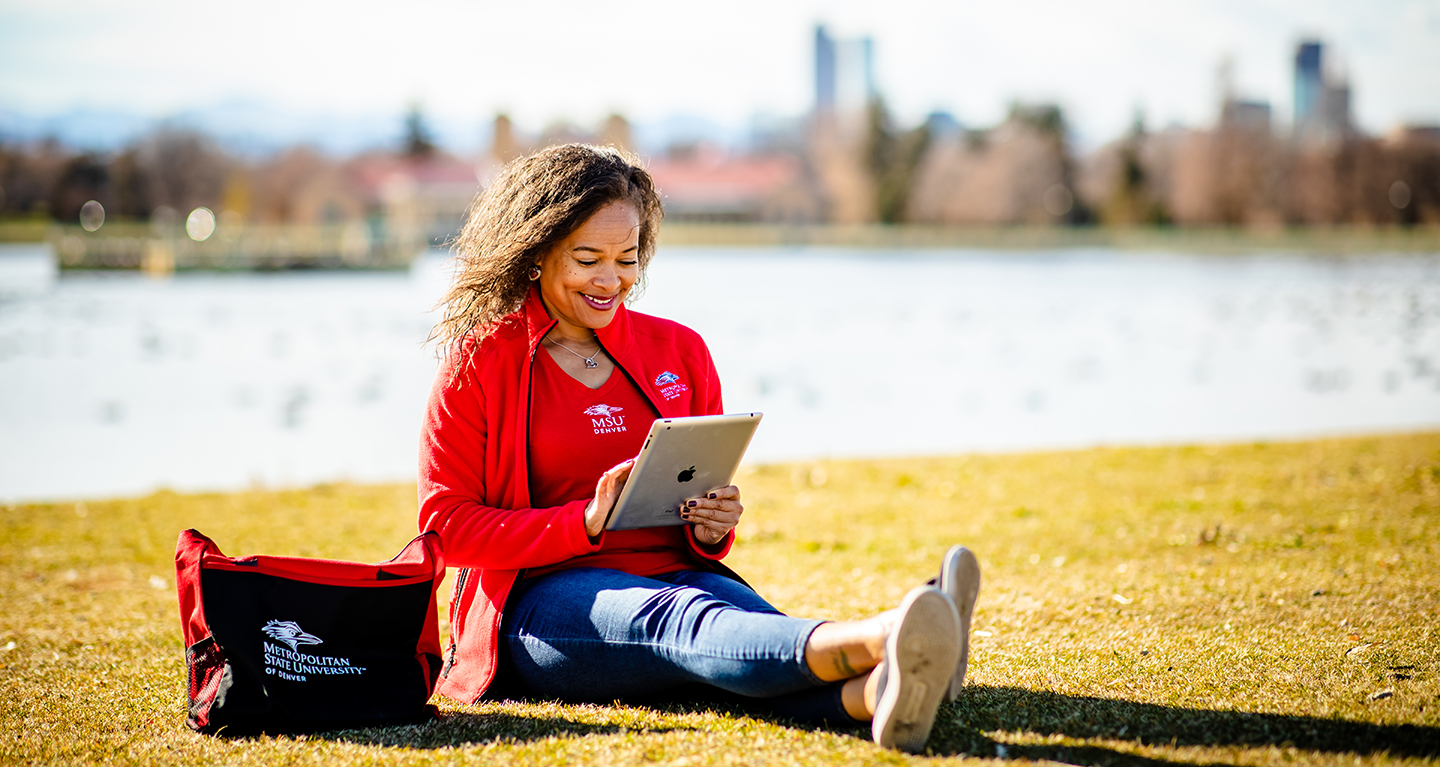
(962, 727)
(463, 728)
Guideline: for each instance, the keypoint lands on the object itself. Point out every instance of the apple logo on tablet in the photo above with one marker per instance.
(686, 475)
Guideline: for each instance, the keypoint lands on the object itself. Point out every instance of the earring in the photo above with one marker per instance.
(534, 272)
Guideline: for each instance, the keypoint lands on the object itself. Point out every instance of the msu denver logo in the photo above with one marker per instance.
(290, 633)
(670, 386)
(605, 419)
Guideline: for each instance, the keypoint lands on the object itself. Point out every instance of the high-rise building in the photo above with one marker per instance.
(1309, 84)
(824, 70)
(1322, 97)
(867, 66)
(1237, 113)
(844, 72)
(1246, 115)
(1335, 110)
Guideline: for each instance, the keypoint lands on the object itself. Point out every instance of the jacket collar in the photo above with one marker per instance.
(615, 337)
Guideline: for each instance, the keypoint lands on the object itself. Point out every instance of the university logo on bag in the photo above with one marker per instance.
(290, 633)
(294, 665)
(604, 420)
(670, 386)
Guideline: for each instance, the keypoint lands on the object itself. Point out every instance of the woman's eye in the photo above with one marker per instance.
(629, 262)
(588, 262)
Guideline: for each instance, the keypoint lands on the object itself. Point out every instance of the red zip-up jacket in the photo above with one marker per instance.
(474, 477)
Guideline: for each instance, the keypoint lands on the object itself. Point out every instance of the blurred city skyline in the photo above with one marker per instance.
(310, 72)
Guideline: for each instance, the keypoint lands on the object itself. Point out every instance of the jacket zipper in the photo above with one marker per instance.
(463, 576)
(460, 579)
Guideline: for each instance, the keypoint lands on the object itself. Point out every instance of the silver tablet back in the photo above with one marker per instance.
(682, 458)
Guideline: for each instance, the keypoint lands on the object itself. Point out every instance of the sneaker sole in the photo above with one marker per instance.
(920, 656)
(960, 580)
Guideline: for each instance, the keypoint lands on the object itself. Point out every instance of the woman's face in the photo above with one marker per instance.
(584, 277)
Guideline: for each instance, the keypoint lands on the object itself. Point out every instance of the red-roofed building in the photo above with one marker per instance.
(425, 195)
(705, 184)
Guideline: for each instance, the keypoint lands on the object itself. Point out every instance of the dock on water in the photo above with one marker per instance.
(354, 245)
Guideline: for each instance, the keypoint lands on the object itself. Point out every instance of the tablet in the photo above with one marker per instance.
(682, 458)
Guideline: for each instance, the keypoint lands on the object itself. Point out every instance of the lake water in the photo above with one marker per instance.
(117, 384)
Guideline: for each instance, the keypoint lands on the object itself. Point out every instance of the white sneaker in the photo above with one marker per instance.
(960, 580)
(920, 656)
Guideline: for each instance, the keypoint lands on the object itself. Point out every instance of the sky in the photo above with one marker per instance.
(542, 62)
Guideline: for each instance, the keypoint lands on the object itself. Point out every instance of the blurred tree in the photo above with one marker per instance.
(1134, 201)
(893, 158)
(277, 185)
(1352, 181)
(27, 174)
(84, 177)
(1238, 175)
(185, 169)
(237, 199)
(129, 187)
(1048, 121)
(1416, 154)
(418, 140)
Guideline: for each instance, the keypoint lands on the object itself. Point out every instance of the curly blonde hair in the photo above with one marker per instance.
(535, 203)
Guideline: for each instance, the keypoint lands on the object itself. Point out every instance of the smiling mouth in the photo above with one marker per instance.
(600, 303)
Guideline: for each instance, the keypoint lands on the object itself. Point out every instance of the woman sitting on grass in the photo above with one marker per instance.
(518, 484)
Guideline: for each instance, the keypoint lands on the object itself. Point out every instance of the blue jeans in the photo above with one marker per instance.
(594, 634)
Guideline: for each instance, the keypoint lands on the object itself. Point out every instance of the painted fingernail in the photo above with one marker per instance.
(692, 504)
(711, 496)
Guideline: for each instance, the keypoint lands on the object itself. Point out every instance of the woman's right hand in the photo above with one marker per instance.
(607, 491)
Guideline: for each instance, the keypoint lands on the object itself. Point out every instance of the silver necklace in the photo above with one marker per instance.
(589, 361)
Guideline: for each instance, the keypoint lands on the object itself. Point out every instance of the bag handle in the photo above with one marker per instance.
(189, 551)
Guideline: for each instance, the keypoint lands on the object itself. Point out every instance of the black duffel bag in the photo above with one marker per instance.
(287, 644)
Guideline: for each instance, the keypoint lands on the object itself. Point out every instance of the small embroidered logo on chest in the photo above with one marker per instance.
(670, 386)
(604, 419)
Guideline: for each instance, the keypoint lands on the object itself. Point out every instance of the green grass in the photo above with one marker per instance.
(1252, 604)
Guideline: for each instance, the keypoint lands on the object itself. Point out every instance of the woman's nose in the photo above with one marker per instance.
(608, 277)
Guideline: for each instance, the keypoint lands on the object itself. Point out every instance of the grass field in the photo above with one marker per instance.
(1247, 604)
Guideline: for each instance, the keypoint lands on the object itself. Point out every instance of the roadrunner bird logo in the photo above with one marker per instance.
(602, 410)
(290, 633)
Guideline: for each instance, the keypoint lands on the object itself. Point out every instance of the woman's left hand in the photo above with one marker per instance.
(713, 514)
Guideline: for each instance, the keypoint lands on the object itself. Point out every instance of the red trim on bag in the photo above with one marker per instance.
(362, 579)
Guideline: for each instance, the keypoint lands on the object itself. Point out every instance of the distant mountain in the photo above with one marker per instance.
(84, 128)
(245, 127)
(655, 135)
(249, 127)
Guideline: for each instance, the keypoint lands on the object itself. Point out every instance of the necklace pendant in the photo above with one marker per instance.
(591, 363)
